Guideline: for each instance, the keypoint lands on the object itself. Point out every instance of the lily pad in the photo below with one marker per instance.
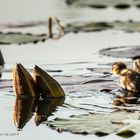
(94, 123)
(87, 27)
(23, 38)
(19, 38)
(120, 4)
(124, 51)
(99, 26)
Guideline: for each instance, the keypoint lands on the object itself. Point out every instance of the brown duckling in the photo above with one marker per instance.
(129, 79)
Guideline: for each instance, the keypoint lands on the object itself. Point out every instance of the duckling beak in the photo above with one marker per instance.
(109, 73)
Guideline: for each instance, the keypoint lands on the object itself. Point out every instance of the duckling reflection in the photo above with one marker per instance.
(127, 97)
(45, 108)
(23, 111)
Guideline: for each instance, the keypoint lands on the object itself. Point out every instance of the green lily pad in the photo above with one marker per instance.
(122, 52)
(23, 38)
(126, 133)
(87, 27)
(99, 124)
(120, 4)
(99, 26)
(19, 38)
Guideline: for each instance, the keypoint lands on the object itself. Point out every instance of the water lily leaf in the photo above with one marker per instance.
(123, 51)
(126, 133)
(87, 27)
(23, 38)
(19, 38)
(120, 4)
(99, 26)
(98, 124)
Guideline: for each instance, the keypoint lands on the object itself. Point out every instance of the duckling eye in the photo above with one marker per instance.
(114, 67)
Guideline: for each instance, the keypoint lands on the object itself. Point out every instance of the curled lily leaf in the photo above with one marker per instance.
(48, 86)
(23, 82)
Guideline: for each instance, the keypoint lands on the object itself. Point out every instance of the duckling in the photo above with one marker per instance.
(136, 63)
(129, 79)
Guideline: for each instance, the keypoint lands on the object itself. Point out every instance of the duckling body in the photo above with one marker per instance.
(129, 79)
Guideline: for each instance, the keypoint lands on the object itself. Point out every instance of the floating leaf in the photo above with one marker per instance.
(86, 27)
(119, 4)
(124, 51)
(20, 38)
(98, 124)
(23, 38)
(99, 26)
(126, 133)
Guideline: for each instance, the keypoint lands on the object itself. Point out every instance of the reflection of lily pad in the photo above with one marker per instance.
(19, 38)
(94, 123)
(125, 52)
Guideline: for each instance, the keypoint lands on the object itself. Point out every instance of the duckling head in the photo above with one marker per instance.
(118, 67)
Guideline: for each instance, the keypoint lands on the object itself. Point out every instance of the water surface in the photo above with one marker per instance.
(74, 61)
